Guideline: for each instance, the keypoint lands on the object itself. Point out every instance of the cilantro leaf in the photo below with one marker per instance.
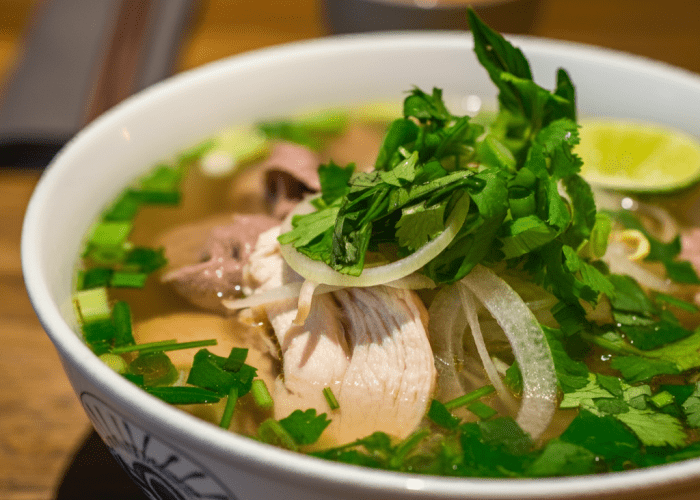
(477, 236)
(495, 448)
(334, 181)
(560, 458)
(569, 277)
(440, 415)
(571, 375)
(629, 296)
(691, 408)
(419, 224)
(637, 369)
(498, 56)
(305, 427)
(565, 89)
(401, 131)
(583, 211)
(558, 139)
(426, 107)
(653, 428)
(603, 435)
(525, 234)
(585, 397)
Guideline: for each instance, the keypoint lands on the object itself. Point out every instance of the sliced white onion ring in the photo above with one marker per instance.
(447, 324)
(320, 272)
(529, 344)
(617, 259)
(469, 306)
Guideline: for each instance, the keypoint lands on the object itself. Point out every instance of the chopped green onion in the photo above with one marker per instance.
(160, 186)
(135, 379)
(182, 395)
(122, 210)
(156, 368)
(110, 234)
(229, 408)
(145, 260)
(92, 305)
(306, 130)
(261, 394)
(662, 399)
(106, 255)
(481, 410)
(94, 278)
(101, 331)
(159, 345)
(236, 359)
(330, 398)
(161, 178)
(406, 446)
(99, 348)
(272, 432)
(675, 301)
(469, 397)
(156, 197)
(164, 346)
(185, 345)
(121, 316)
(128, 280)
(196, 152)
(442, 416)
(115, 362)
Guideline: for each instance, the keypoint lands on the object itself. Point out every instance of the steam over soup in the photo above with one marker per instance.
(429, 293)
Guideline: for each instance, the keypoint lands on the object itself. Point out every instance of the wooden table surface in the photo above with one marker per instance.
(41, 421)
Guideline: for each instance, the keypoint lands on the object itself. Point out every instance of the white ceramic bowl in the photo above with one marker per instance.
(167, 450)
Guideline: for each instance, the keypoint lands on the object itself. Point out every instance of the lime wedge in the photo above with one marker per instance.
(637, 157)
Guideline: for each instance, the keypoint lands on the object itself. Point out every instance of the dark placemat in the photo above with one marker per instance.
(95, 474)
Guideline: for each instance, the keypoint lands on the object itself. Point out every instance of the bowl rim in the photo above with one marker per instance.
(296, 468)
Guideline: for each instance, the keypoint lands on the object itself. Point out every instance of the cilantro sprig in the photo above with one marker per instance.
(511, 171)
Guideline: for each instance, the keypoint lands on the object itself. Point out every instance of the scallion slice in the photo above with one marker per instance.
(229, 408)
(261, 394)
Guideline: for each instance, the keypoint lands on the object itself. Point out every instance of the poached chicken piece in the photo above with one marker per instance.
(369, 345)
(391, 376)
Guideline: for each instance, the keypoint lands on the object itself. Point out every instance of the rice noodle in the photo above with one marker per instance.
(662, 218)
(306, 293)
(529, 345)
(617, 259)
(636, 240)
(669, 225)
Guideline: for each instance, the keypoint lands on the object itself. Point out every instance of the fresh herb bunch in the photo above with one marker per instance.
(430, 159)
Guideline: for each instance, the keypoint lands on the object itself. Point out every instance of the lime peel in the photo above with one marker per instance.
(637, 157)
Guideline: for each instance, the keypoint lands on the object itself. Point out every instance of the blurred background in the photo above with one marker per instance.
(63, 62)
